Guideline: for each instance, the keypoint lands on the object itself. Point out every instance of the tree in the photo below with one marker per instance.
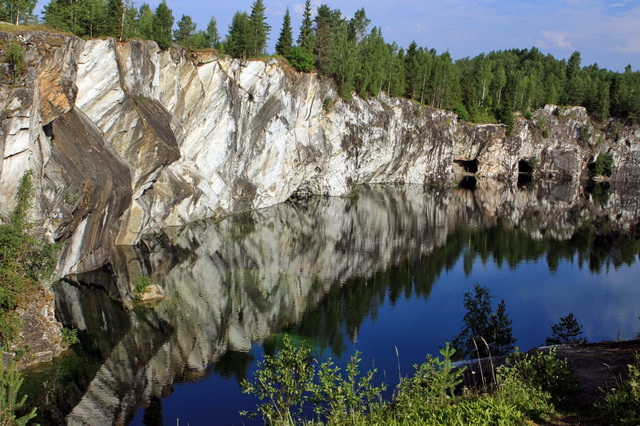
(259, 29)
(285, 41)
(16, 11)
(145, 22)
(162, 24)
(116, 12)
(305, 38)
(212, 33)
(184, 32)
(484, 332)
(238, 40)
(566, 332)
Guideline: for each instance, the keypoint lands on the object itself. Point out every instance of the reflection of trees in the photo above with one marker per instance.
(344, 308)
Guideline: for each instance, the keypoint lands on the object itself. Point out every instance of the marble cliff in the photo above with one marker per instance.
(125, 139)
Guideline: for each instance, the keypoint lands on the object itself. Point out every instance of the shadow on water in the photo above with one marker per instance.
(320, 269)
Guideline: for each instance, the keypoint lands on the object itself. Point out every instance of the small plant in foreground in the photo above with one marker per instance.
(283, 380)
(10, 383)
(621, 405)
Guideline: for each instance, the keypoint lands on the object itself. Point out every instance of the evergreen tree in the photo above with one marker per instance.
(238, 41)
(17, 11)
(200, 40)
(285, 41)
(212, 34)
(184, 32)
(305, 38)
(145, 22)
(162, 24)
(566, 332)
(259, 29)
(116, 12)
(484, 332)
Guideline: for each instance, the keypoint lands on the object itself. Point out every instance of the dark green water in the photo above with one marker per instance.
(383, 272)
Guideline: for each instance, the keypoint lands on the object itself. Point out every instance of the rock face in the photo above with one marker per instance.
(126, 138)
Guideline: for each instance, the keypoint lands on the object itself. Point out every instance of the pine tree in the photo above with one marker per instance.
(285, 41)
(145, 22)
(162, 24)
(305, 38)
(184, 32)
(212, 33)
(238, 41)
(566, 332)
(16, 11)
(259, 29)
(116, 12)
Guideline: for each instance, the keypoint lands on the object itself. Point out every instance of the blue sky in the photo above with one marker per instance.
(605, 32)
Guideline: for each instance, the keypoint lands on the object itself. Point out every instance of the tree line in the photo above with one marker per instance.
(487, 88)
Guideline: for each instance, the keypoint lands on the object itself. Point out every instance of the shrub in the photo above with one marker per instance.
(621, 405)
(301, 60)
(140, 285)
(603, 164)
(283, 381)
(69, 337)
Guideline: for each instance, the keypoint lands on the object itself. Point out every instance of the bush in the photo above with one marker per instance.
(621, 405)
(69, 337)
(603, 165)
(301, 60)
(566, 332)
(140, 285)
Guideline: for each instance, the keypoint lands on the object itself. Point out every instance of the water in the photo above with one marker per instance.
(382, 272)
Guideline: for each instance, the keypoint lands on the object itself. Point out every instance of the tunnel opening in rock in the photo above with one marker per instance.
(469, 166)
(468, 182)
(526, 167)
(48, 129)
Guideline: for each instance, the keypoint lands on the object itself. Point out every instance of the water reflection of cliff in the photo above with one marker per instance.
(330, 260)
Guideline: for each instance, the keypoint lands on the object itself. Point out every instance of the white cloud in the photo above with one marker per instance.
(555, 39)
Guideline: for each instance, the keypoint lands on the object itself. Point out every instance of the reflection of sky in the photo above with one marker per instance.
(606, 304)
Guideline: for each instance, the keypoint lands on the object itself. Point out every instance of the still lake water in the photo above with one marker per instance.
(382, 272)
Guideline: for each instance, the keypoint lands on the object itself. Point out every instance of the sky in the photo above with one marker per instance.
(604, 32)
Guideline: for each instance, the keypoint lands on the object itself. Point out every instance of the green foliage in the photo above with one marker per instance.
(24, 260)
(341, 400)
(238, 41)
(162, 24)
(543, 370)
(603, 165)
(140, 285)
(566, 332)
(621, 404)
(283, 380)
(285, 41)
(69, 337)
(433, 382)
(328, 103)
(185, 31)
(14, 55)
(212, 33)
(301, 60)
(484, 332)
(10, 402)
(17, 11)
(258, 29)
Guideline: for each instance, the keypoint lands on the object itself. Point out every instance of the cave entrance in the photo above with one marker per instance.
(468, 182)
(48, 129)
(526, 167)
(469, 166)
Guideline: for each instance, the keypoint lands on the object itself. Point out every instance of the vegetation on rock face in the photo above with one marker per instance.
(621, 404)
(24, 261)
